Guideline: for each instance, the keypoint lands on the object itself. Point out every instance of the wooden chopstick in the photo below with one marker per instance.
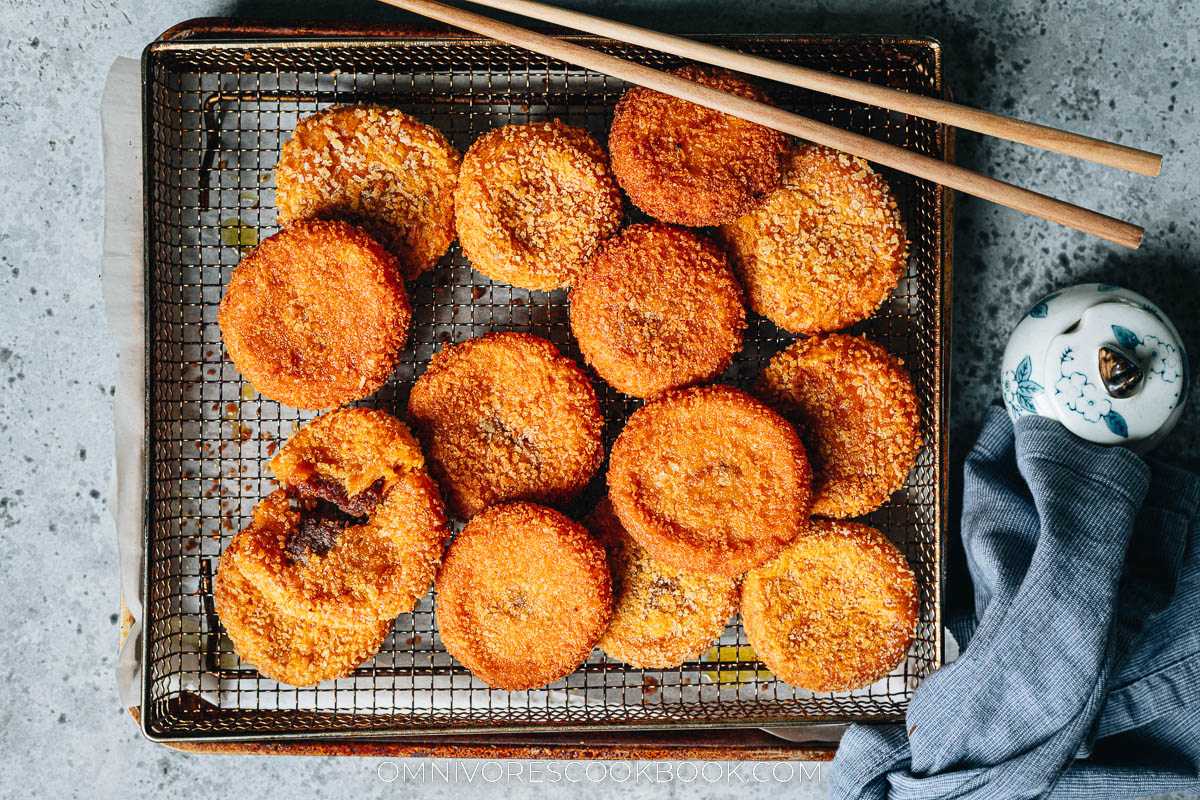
(1039, 205)
(1047, 138)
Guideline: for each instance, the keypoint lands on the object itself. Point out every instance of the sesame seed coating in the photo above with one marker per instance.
(507, 417)
(657, 308)
(316, 315)
(825, 249)
(533, 202)
(523, 595)
(290, 649)
(856, 411)
(662, 616)
(835, 611)
(376, 568)
(378, 168)
(709, 479)
(688, 164)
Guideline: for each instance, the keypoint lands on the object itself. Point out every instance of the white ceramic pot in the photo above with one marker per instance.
(1103, 361)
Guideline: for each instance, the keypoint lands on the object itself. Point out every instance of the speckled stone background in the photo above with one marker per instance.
(1122, 71)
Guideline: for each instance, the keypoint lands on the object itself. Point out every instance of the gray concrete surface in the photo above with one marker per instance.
(1123, 71)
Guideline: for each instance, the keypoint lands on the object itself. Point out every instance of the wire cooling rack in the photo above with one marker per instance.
(216, 114)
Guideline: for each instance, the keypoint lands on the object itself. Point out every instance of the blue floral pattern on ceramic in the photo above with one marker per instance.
(1160, 357)
(1042, 307)
(1085, 398)
(1019, 390)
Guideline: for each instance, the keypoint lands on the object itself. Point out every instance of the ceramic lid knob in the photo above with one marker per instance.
(1104, 361)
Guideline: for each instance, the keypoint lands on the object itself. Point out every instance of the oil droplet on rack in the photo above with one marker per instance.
(734, 654)
(235, 233)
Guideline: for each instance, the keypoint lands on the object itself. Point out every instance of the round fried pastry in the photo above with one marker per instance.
(688, 164)
(533, 202)
(335, 571)
(825, 249)
(856, 411)
(293, 650)
(316, 315)
(507, 417)
(523, 596)
(375, 167)
(357, 531)
(662, 616)
(710, 480)
(657, 308)
(835, 611)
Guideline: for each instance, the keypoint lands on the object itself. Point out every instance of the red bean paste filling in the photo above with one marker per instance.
(321, 523)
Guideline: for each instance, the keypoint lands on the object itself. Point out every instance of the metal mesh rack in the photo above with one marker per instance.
(216, 115)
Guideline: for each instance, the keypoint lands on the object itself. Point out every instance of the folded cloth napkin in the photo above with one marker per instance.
(1080, 673)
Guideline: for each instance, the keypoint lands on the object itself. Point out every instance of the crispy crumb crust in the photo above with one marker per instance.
(353, 446)
(825, 249)
(507, 417)
(691, 165)
(662, 616)
(534, 201)
(835, 611)
(289, 649)
(709, 479)
(657, 308)
(316, 315)
(378, 568)
(375, 167)
(523, 596)
(856, 411)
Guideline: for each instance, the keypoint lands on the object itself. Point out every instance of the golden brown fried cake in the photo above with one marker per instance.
(825, 249)
(856, 411)
(375, 167)
(295, 650)
(657, 308)
(316, 315)
(662, 616)
(835, 611)
(533, 202)
(709, 479)
(507, 417)
(522, 596)
(691, 165)
(358, 530)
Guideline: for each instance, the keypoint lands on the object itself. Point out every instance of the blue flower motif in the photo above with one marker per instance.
(1087, 399)
(1019, 390)
(1159, 358)
(1083, 397)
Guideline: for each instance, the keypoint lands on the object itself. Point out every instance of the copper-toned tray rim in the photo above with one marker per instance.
(682, 741)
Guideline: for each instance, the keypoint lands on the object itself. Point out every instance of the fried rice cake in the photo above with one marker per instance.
(291, 649)
(507, 417)
(358, 529)
(835, 611)
(522, 596)
(709, 480)
(533, 202)
(691, 165)
(825, 249)
(662, 616)
(856, 411)
(657, 308)
(316, 316)
(378, 168)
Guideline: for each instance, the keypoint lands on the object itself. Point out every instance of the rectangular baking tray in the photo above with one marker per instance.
(219, 100)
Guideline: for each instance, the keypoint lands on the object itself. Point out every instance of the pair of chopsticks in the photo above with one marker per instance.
(1006, 194)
